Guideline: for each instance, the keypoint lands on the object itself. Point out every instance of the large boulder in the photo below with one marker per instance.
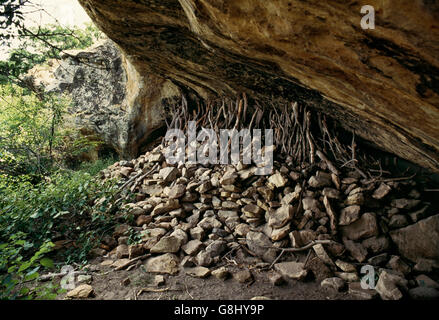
(382, 82)
(419, 241)
(110, 99)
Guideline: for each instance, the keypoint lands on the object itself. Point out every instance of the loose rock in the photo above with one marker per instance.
(81, 292)
(84, 278)
(221, 273)
(281, 217)
(291, 270)
(276, 279)
(260, 244)
(277, 180)
(349, 215)
(388, 285)
(396, 263)
(413, 243)
(243, 276)
(335, 284)
(345, 266)
(424, 293)
(198, 272)
(366, 294)
(193, 247)
(382, 191)
(168, 174)
(170, 244)
(356, 250)
(167, 263)
(365, 227)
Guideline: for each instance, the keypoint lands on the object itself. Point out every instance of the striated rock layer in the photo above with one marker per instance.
(381, 83)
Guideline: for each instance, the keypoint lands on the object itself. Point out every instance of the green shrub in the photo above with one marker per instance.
(33, 217)
(42, 202)
(19, 269)
(33, 133)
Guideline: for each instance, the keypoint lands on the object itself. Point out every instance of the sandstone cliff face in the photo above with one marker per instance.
(382, 83)
(111, 100)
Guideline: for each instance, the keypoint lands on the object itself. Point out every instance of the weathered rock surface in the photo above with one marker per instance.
(112, 101)
(169, 244)
(356, 250)
(291, 270)
(366, 294)
(81, 292)
(389, 285)
(345, 266)
(334, 283)
(122, 251)
(221, 273)
(84, 279)
(424, 293)
(192, 247)
(276, 279)
(425, 281)
(420, 240)
(167, 263)
(198, 272)
(365, 227)
(260, 244)
(243, 276)
(381, 82)
(349, 215)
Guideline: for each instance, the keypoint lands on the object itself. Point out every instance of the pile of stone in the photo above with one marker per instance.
(298, 221)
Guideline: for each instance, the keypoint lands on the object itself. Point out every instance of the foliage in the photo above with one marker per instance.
(20, 61)
(51, 40)
(27, 126)
(39, 45)
(11, 17)
(33, 136)
(34, 217)
(20, 270)
(48, 212)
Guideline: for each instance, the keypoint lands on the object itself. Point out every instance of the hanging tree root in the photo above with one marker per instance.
(298, 133)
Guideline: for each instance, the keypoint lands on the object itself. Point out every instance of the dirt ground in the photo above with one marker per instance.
(107, 285)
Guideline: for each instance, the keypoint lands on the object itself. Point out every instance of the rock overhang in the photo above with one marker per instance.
(380, 83)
